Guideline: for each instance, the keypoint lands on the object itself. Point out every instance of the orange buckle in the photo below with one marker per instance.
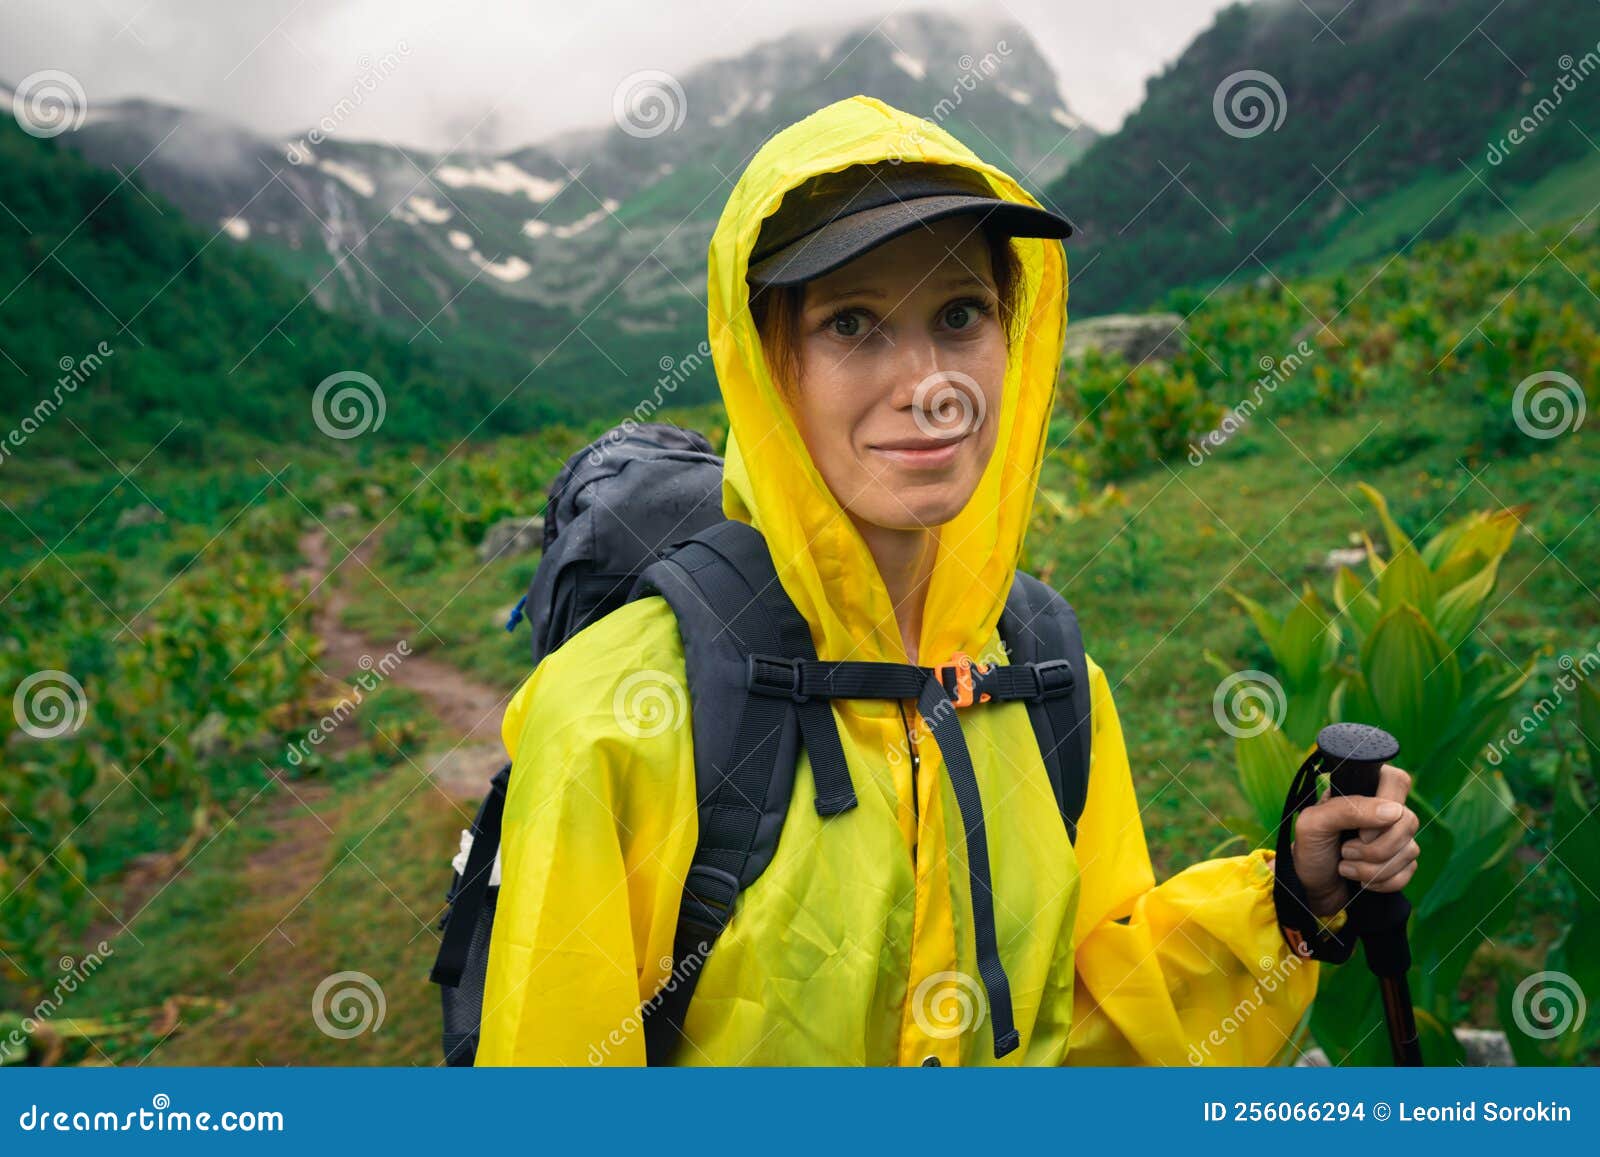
(963, 665)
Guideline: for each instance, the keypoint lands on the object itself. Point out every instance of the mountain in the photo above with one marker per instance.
(585, 254)
(1291, 133)
(124, 328)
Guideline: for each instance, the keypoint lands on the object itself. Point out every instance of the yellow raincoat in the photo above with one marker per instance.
(855, 946)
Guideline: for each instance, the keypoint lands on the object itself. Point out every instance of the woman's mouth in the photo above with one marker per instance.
(920, 453)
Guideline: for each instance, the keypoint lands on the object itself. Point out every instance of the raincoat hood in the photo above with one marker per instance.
(770, 480)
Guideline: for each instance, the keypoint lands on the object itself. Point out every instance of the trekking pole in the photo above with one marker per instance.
(1353, 754)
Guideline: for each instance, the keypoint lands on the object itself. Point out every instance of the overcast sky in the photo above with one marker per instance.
(513, 70)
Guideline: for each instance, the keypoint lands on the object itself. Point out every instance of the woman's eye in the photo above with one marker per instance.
(848, 323)
(964, 314)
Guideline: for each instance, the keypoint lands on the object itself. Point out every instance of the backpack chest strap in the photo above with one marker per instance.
(964, 681)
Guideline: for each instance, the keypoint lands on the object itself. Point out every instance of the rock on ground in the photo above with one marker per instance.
(1136, 336)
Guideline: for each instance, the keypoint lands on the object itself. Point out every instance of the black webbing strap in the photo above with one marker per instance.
(732, 573)
(1295, 917)
(803, 680)
(467, 904)
(940, 713)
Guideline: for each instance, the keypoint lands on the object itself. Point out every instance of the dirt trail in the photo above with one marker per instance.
(296, 810)
(468, 709)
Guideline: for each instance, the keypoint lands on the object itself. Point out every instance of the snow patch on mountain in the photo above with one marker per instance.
(500, 177)
(735, 107)
(586, 222)
(511, 269)
(909, 65)
(429, 210)
(358, 181)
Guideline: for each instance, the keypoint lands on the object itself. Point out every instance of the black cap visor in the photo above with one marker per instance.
(843, 239)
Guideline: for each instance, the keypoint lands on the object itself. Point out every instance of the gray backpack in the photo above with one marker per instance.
(638, 513)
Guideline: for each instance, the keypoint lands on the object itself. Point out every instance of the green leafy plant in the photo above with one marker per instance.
(1398, 651)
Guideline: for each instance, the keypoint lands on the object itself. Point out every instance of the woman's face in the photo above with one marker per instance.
(901, 357)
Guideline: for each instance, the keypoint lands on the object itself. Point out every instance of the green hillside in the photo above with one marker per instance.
(1388, 114)
(121, 321)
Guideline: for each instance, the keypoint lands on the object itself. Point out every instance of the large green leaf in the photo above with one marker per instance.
(1440, 1048)
(1414, 680)
(1589, 722)
(1307, 642)
(1575, 845)
(1459, 608)
(1406, 581)
(1266, 625)
(1488, 693)
(1347, 1018)
(1529, 1052)
(1484, 827)
(1398, 539)
(1484, 537)
(1267, 764)
(1358, 604)
(1445, 940)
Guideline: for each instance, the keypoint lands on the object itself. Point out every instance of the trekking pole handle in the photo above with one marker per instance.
(1353, 755)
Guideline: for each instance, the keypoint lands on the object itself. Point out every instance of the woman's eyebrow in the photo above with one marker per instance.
(954, 281)
(852, 291)
(959, 280)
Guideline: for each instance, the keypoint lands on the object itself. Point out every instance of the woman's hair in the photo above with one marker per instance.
(777, 310)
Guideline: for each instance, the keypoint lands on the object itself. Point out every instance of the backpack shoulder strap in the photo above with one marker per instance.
(730, 605)
(1039, 626)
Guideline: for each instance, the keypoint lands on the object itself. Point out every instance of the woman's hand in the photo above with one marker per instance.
(1382, 859)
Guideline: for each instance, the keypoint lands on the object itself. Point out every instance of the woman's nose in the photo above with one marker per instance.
(915, 366)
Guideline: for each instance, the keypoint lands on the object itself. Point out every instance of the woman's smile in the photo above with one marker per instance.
(921, 452)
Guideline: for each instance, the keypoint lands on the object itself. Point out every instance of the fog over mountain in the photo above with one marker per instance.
(496, 74)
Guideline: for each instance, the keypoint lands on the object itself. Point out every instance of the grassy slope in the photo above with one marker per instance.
(1392, 222)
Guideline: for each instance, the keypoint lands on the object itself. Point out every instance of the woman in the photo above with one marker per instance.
(888, 364)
